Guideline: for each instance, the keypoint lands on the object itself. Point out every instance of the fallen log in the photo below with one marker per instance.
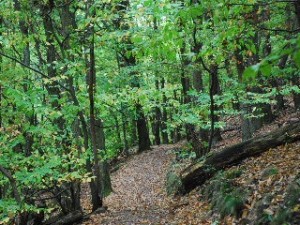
(68, 219)
(197, 173)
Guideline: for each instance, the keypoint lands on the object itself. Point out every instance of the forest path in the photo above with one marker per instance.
(140, 197)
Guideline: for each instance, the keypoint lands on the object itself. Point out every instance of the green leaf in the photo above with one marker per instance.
(266, 69)
(297, 58)
(251, 72)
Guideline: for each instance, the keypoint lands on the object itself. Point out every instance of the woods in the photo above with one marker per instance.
(82, 83)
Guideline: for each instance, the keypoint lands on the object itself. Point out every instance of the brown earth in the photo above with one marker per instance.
(139, 195)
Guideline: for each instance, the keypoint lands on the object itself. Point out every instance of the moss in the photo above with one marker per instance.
(233, 173)
(268, 172)
(174, 184)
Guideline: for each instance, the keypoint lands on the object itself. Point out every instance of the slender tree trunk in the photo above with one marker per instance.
(275, 82)
(164, 133)
(26, 60)
(215, 134)
(157, 119)
(97, 201)
(118, 132)
(176, 133)
(157, 125)
(124, 131)
(185, 83)
(104, 167)
(129, 61)
(71, 197)
(266, 108)
(199, 136)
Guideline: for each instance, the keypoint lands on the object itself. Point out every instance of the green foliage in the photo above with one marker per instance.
(42, 118)
(269, 172)
(225, 197)
(9, 208)
(186, 152)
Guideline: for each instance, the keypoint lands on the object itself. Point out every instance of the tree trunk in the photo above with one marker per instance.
(26, 60)
(266, 108)
(134, 135)
(198, 173)
(164, 133)
(97, 194)
(185, 83)
(71, 197)
(157, 120)
(118, 132)
(142, 129)
(198, 81)
(275, 82)
(296, 96)
(176, 135)
(214, 90)
(124, 131)
(158, 115)
(106, 187)
(251, 123)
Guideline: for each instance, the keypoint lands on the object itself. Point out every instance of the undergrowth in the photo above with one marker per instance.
(289, 213)
(224, 195)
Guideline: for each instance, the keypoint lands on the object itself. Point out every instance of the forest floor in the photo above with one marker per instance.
(139, 190)
(139, 194)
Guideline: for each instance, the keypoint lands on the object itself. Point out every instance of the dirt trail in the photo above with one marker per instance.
(139, 195)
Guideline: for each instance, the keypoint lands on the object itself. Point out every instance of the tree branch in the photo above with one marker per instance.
(204, 66)
(12, 182)
(33, 69)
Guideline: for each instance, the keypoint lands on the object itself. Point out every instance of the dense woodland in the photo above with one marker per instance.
(84, 82)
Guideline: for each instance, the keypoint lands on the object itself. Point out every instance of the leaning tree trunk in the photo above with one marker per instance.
(197, 173)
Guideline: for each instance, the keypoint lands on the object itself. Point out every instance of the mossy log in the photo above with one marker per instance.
(197, 173)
